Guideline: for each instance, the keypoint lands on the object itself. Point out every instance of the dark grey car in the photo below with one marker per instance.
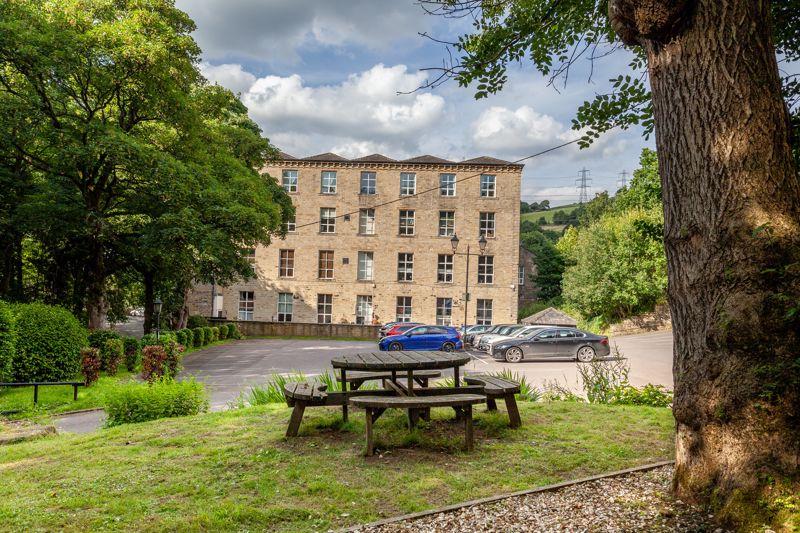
(553, 343)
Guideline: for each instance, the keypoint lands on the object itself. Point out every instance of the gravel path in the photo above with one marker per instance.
(634, 502)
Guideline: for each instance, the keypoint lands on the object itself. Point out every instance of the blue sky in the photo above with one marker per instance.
(323, 76)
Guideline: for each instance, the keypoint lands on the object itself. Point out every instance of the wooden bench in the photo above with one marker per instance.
(374, 406)
(494, 388)
(37, 384)
(356, 379)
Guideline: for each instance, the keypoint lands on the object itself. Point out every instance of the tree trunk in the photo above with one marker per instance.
(732, 238)
(183, 312)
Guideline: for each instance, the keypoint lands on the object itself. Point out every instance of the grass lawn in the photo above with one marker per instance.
(548, 215)
(235, 471)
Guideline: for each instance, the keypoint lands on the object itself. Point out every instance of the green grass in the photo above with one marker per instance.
(234, 470)
(548, 215)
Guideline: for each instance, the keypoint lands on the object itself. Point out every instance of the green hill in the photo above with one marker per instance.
(548, 215)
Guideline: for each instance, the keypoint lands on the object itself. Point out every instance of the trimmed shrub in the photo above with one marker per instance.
(90, 363)
(172, 363)
(196, 321)
(233, 331)
(180, 336)
(8, 340)
(208, 334)
(215, 332)
(223, 331)
(199, 337)
(137, 402)
(49, 342)
(153, 358)
(111, 355)
(98, 337)
(188, 336)
(131, 347)
(163, 337)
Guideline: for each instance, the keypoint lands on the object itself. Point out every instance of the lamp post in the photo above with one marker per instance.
(482, 247)
(157, 310)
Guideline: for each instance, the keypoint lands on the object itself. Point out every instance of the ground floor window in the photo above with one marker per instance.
(404, 308)
(484, 312)
(363, 309)
(246, 305)
(324, 308)
(285, 305)
(444, 311)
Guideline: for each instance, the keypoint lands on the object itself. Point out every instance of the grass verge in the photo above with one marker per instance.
(235, 471)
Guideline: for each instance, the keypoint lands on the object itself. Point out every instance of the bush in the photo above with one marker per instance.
(196, 321)
(163, 337)
(652, 395)
(199, 336)
(49, 342)
(8, 340)
(223, 331)
(180, 336)
(137, 402)
(90, 363)
(111, 356)
(233, 331)
(215, 333)
(172, 363)
(188, 336)
(131, 348)
(208, 335)
(98, 337)
(601, 378)
(153, 358)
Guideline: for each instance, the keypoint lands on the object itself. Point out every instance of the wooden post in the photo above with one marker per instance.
(514, 419)
(368, 425)
(468, 426)
(343, 377)
(35, 394)
(491, 404)
(74, 393)
(456, 377)
(296, 418)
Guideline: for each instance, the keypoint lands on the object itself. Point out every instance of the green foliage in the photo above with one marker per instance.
(549, 263)
(131, 348)
(188, 337)
(8, 340)
(208, 335)
(270, 392)
(215, 333)
(527, 391)
(49, 342)
(223, 331)
(165, 398)
(90, 365)
(644, 190)
(199, 337)
(98, 337)
(111, 355)
(652, 395)
(601, 379)
(180, 336)
(163, 337)
(196, 321)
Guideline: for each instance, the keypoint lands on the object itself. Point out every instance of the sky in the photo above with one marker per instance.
(324, 76)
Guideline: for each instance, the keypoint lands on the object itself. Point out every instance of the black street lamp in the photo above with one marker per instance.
(482, 247)
(157, 310)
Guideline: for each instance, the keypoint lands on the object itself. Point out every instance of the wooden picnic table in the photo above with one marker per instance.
(399, 362)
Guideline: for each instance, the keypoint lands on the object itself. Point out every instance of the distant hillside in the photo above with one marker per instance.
(548, 215)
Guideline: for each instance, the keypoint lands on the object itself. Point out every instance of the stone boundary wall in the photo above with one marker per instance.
(253, 328)
(658, 320)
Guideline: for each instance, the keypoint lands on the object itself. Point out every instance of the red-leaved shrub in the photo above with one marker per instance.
(154, 358)
(90, 365)
(173, 362)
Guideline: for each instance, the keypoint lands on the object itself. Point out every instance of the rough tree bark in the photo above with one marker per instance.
(732, 238)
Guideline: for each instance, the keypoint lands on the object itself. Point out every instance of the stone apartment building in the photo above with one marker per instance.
(372, 242)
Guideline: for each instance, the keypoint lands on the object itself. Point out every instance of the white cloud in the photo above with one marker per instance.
(500, 129)
(234, 77)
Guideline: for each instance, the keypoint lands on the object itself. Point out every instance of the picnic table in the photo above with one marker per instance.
(399, 364)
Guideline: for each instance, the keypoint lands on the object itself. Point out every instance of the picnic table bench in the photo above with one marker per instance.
(374, 406)
(356, 379)
(494, 388)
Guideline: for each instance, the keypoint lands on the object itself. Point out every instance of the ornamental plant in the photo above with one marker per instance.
(199, 336)
(111, 355)
(8, 340)
(131, 349)
(90, 365)
(153, 358)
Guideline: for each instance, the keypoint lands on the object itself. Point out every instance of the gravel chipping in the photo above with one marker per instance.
(634, 502)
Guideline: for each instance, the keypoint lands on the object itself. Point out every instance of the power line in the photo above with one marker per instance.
(623, 179)
(583, 183)
(426, 191)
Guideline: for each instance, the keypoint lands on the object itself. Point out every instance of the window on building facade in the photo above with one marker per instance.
(249, 255)
(366, 221)
(328, 182)
(290, 225)
(444, 311)
(363, 309)
(447, 184)
(485, 269)
(488, 185)
(405, 267)
(365, 260)
(486, 224)
(289, 180)
(408, 183)
(325, 270)
(285, 304)
(246, 305)
(324, 308)
(403, 309)
(368, 183)
(327, 220)
(407, 222)
(447, 223)
(521, 275)
(484, 315)
(444, 269)
(286, 264)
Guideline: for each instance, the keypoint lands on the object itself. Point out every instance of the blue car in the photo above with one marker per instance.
(442, 338)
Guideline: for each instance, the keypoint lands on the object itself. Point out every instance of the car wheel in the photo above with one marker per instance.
(448, 347)
(513, 355)
(586, 354)
(395, 347)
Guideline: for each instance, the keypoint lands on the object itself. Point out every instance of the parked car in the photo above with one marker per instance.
(471, 331)
(401, 327)
(553, 342)
(507, 331)
(442, 338)
(494, 329)
(526, 331)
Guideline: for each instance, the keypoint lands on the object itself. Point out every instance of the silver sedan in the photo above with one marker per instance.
(571, 343)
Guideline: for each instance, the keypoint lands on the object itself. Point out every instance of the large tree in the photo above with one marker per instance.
(731, 198)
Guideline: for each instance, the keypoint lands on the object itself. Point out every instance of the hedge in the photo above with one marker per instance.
(188, 336)
(131, 348)
(196, 321)
(98, 337)
(137, 402)
(8, 340)
(199, 336)
(111, 355)
(208, 335)
(49, 342)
